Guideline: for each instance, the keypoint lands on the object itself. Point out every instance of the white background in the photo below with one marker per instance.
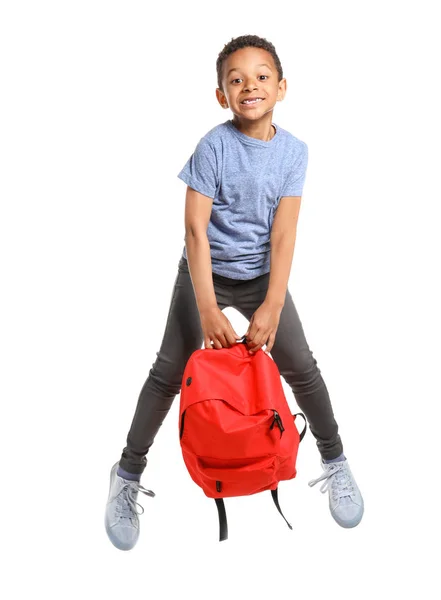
(102, 103)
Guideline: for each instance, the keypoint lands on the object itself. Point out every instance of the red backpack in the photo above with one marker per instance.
(237, 433)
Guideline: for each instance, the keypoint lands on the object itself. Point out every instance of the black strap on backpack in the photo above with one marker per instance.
(302, 435)
(223, 525)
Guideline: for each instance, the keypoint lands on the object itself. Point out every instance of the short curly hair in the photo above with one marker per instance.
(245, 41)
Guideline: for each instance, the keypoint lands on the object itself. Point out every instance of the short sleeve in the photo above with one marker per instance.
(296, 176)
(200, 171)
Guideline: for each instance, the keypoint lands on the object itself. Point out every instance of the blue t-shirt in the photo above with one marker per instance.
(246, 177)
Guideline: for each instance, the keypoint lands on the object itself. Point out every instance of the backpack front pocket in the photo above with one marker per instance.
(237, 477)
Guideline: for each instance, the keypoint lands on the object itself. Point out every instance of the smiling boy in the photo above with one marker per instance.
(244, 181)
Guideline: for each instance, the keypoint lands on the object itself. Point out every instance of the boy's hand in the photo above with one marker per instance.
(217, 329)
(263, 327)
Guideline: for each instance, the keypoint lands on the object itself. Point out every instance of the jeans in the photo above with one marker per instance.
(183, 335)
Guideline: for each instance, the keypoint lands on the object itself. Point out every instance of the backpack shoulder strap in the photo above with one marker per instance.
(223, 525)
(276, 502)
(304, 429)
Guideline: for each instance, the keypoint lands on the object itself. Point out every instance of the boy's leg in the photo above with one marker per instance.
(296, 364)
(182, 336)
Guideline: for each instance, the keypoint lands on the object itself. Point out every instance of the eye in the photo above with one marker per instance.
(263, 75)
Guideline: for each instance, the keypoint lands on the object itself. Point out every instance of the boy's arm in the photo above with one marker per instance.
(282, 241)
(197, 216)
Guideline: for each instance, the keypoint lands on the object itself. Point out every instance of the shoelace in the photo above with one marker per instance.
(126, 504)
(338, 476)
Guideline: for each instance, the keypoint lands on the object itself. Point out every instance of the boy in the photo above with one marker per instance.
(244, 186)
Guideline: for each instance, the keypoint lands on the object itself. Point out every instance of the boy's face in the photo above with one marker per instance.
(250, 73)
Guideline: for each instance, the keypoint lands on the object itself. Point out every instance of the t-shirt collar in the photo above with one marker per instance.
(246, 139)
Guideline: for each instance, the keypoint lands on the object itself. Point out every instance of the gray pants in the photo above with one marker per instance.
(183, 335)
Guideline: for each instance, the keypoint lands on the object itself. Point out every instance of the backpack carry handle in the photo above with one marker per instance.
(245, 341)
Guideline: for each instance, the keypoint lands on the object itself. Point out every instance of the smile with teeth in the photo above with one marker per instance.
(252, 101)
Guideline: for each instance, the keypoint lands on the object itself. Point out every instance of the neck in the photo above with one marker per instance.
(261, 131)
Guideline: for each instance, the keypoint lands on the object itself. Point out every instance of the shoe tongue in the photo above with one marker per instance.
(346, 499)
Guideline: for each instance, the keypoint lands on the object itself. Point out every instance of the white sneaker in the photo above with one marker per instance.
(121, 520)
(345, 500)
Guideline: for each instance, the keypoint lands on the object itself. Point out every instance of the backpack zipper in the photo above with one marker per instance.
(277, 420)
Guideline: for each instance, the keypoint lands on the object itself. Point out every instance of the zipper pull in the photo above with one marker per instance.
(277, 420)
(280, 424)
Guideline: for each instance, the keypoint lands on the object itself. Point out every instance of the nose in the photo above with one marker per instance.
(250, 85)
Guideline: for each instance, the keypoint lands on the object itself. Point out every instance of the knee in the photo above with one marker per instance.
(166, 384)
(302, 371)
(166, 373)
(160, 383)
